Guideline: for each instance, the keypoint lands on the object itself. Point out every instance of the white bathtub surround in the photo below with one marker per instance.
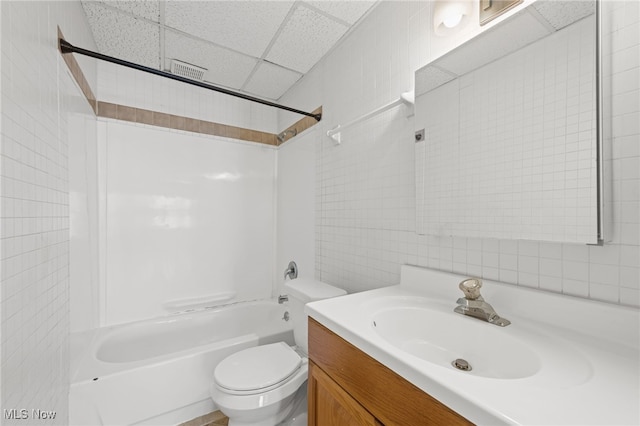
(580, 359)
(158, 372)
(295, 206)
(84, 247)
(191, 303)
(185, 215)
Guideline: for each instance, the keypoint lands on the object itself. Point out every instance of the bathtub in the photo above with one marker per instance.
(159, 371)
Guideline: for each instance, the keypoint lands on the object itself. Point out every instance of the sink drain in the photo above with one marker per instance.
(461, 364)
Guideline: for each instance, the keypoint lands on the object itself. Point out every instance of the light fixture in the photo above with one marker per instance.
(452, 21)
(450, 15)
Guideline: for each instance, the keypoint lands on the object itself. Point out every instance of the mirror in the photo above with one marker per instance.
(510, 137)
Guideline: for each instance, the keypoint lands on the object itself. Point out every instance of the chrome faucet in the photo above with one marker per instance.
(473, 304)
(291, 271)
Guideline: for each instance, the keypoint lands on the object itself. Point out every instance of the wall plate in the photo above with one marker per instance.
(491, 9)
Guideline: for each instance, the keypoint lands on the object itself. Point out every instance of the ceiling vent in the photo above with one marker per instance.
(186, 70)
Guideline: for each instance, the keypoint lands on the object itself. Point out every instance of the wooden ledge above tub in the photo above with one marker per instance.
(299, 126)
(171, 121)
(178, 122)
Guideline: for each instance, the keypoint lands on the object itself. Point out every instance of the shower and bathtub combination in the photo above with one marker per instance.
(247, 359)
(159, 371)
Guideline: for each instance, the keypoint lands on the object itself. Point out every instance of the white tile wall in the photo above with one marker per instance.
(37, 97)
(362, 235)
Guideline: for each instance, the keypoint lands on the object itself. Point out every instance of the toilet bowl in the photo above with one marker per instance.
(266, 385)
(257, 386)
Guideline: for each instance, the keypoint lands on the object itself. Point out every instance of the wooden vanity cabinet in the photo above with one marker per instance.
(348, 387)
(332, 405)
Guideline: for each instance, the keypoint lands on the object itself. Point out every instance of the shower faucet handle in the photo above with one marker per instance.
(291, 271)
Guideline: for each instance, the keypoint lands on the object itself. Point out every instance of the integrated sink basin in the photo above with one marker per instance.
(560, 361)
(430, 331)
(441, 338)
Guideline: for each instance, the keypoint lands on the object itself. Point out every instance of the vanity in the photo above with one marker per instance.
(386, 357)
(380, 395)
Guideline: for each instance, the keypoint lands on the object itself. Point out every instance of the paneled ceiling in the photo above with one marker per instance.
(259, 47)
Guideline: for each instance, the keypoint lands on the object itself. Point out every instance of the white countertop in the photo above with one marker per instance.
(589, 351)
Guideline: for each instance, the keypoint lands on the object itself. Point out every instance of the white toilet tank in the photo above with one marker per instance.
(302, 291)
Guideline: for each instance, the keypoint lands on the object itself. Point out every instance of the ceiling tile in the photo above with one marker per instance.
(305, 38)
(245, 26)
(348, 11)
(224, 67)
(229, 38)
(271, 81)
(561, 14)
(430, 77)
(148, 9)
(123, 36)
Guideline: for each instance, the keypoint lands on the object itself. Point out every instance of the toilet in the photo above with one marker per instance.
(266, 385)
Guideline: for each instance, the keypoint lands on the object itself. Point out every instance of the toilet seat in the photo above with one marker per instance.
(257, 369)
(267, 407)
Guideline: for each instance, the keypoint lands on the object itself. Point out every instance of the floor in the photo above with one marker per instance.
(215, 418)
